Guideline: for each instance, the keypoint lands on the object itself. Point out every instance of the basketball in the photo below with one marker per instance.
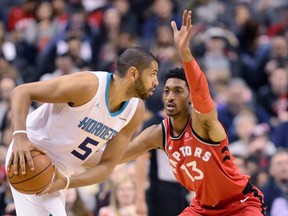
(34, 181)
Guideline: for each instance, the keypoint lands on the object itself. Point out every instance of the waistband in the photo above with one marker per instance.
(248, 188)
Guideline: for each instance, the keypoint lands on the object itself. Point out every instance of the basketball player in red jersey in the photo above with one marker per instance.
(196, 142)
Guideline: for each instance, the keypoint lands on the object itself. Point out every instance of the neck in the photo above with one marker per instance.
(178, 123)
(117, 93)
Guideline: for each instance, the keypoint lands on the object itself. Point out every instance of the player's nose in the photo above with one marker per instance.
(156, 82)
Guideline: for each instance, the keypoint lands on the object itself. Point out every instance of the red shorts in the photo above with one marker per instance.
(249, 204)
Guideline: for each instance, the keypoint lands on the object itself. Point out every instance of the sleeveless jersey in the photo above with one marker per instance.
(70, 135)
(206, 168)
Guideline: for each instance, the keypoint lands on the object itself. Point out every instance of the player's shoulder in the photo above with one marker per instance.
(86, 79)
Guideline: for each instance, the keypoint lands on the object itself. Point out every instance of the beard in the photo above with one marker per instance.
(139, 90)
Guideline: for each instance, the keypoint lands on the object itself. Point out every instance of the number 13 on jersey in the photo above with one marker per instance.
(191, 166)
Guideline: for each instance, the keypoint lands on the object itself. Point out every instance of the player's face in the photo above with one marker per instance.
(176, 97)
(146, 83)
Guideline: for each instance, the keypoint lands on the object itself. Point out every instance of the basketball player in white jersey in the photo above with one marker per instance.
(80, 113)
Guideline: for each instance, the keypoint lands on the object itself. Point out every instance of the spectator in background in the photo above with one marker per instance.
(278, 54)
(279, 134)
(7, 84)
(104, 189)
(244, 123)
(162, 13)
(76, 39)
(277, 185)
(20, 16)
(239, 97)
(207, 12)
(7, 69)
(241, 163)
(273, 97)
(41, 30)
(122, 199)
(261, 148)
(60, 9)
(129, 19)
(254, 54)
(64, 65)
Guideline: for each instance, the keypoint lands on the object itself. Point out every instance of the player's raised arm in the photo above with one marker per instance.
(206, 123)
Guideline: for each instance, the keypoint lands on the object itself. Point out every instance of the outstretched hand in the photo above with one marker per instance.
(182, 36)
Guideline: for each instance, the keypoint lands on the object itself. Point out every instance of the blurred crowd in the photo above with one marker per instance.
(241, 45)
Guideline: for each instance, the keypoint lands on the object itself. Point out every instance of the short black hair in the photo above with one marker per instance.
(137, 57)
(178, 73)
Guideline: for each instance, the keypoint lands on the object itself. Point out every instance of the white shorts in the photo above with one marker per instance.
(32, 205)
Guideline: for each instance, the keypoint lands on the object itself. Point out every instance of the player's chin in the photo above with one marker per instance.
(145, 96)
(170, 113)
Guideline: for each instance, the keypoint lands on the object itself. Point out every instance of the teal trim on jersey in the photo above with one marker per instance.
(109, 75)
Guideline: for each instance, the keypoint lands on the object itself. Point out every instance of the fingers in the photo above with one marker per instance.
(188, 35)
(189, 19)
(29, 160)
(174, 27)
(10, 162)
(184, 18)
(15, 164)
(22, 163)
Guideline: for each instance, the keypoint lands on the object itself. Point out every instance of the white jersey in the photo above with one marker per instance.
(70, 135)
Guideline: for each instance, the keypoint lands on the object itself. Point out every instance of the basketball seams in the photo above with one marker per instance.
(32, 176)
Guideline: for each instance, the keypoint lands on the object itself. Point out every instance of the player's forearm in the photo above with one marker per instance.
(186, 55)
(91, 176)
(199, 89)
(128, 156)
(20, 105)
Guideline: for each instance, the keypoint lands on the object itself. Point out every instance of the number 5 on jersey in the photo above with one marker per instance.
(84, 150)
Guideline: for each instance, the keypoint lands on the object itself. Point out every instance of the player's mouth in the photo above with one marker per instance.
(151, 92)
(170, 106)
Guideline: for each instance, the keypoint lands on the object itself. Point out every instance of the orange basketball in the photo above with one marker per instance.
(34, 181)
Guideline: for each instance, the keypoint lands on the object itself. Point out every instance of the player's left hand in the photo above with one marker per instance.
(58, 183)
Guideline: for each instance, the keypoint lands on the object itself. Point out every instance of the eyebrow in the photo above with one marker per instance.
(173, 87)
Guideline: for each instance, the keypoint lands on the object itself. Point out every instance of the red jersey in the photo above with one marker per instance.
(205, 168)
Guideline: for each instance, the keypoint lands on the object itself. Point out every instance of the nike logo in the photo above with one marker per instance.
(123, 119)
(243, 200)
(170, 147)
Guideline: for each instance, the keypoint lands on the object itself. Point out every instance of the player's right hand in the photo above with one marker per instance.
(21, 153)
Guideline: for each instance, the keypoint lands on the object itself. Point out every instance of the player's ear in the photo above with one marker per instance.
(133, 73)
